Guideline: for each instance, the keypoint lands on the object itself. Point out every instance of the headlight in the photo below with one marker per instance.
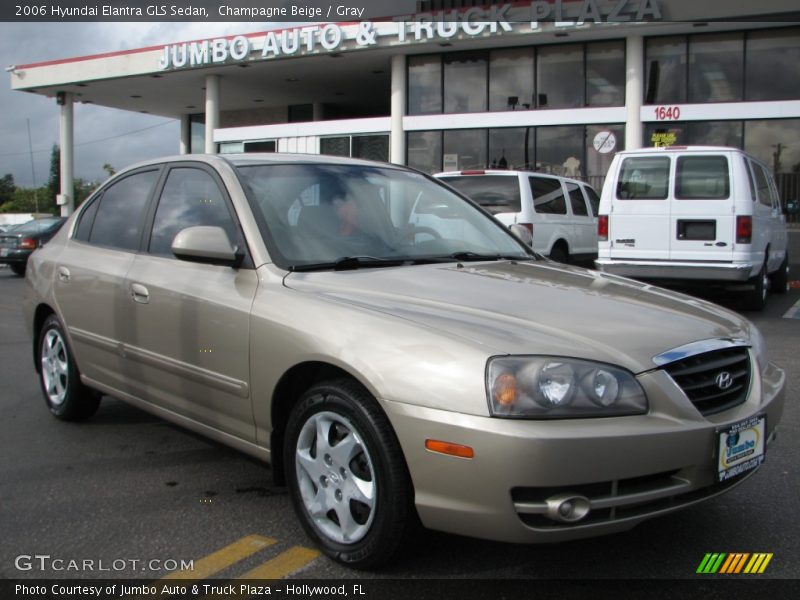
(549, 387)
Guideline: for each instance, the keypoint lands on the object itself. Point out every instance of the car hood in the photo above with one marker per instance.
(534, 307)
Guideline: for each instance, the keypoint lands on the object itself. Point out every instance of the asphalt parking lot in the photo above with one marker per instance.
(128, 487)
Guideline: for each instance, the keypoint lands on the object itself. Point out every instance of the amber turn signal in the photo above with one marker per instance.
(505, 390)
(449, 448)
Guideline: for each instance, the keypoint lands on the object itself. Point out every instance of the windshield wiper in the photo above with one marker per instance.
(474, 256)
(351, 262)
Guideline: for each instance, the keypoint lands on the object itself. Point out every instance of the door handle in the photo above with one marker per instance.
(139, 293)
(63, 274)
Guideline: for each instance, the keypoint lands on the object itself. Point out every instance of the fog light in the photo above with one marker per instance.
(567, 508)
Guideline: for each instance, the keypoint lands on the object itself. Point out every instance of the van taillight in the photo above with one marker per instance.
(602, 228)
(744, 229)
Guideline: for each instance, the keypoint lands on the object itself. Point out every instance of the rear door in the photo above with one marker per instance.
(639, 221)
(552, 221)
(584, 223)
(702, 221)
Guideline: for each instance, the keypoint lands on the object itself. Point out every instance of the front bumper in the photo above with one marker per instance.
(644, 269)
(629, 468)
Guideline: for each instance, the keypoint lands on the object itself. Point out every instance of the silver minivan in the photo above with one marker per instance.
(694, 213)
(560, 213)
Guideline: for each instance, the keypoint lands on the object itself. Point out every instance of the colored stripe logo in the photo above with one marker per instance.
(734, 563)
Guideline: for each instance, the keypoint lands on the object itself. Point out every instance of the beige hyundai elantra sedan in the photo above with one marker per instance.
(394, 353)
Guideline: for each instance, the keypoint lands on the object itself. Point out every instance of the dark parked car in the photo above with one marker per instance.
(16, 245)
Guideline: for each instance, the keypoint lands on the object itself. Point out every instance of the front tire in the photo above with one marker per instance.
(65, 395)
(346, 474)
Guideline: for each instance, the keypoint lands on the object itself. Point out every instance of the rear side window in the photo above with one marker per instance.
(87, 220)
(119, 218)
(763, 190)
(548, 197)
(702, 178)
(643, 178)
(191, 197)
(495, 193)
(576, 201)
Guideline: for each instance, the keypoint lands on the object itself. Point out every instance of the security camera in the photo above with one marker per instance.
(11, 68)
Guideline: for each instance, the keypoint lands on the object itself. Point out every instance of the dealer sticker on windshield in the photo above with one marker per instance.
(740, 447)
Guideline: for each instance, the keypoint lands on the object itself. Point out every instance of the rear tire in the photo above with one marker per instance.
(559, 253)
(65, 395)
(779, 280)
(756, 298)
(18, 269)
(346, 475)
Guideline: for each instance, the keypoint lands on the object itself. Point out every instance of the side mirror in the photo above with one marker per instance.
(522, 232)
(206, 244)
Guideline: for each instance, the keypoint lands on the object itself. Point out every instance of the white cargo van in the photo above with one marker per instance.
(686, 213)
(559, 212)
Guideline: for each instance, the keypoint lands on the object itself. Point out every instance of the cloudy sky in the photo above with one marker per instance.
(148, 136)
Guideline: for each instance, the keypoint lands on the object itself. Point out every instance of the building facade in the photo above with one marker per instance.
(501, 85)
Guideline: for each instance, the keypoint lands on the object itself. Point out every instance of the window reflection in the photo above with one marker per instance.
(559, 76)
(773, 65)
(605, 74)
(424, 84)
(775, 142)
(465, 82)
(511, 148)
(464, 149)
(716, 72)
(425, 150)
(665, 60)
(559, 150)
(511, 79)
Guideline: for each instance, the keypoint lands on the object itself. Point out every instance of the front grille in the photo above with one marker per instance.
(714, 381)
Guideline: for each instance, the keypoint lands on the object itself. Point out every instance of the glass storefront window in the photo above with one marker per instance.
(371, 147)
(660, 134)
(511, 148)
(464, 149)
(773, 65)
(665, 63)
(775, 142)
(559, 150)
(465, 82)
(511, 79)
(197, 132)
(716, 67)
(424, 150)
(605, 74)
(424, 84)
(560, 78)
(715, 133)
(335, 146)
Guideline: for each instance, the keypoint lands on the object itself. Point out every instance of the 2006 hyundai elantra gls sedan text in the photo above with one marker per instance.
(393, 351)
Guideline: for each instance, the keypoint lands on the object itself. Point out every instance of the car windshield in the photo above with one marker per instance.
(346, 216)
(37, 225)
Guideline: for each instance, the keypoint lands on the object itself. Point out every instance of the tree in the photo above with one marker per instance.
(24, 201)
(54, 183)
(7, 188)
(109, 169)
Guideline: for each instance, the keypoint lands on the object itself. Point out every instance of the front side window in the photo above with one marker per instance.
(548, 197)
(643, 178)
(313, 216)
(120, 216)
(702, 178)
(190, 197)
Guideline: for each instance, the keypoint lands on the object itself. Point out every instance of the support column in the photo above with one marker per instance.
(397, 136)
(186, 135)
(318, 111)
(634, 92)
(212, 111)
(67, 151)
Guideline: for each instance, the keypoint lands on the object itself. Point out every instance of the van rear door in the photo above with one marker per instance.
(702, 222)
(639, 222)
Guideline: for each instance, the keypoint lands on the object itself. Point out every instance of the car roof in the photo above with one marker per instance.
(663, 149)
(506, 172)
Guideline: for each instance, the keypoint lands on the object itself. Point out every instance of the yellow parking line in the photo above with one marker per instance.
(222, 559)
(282, 565)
